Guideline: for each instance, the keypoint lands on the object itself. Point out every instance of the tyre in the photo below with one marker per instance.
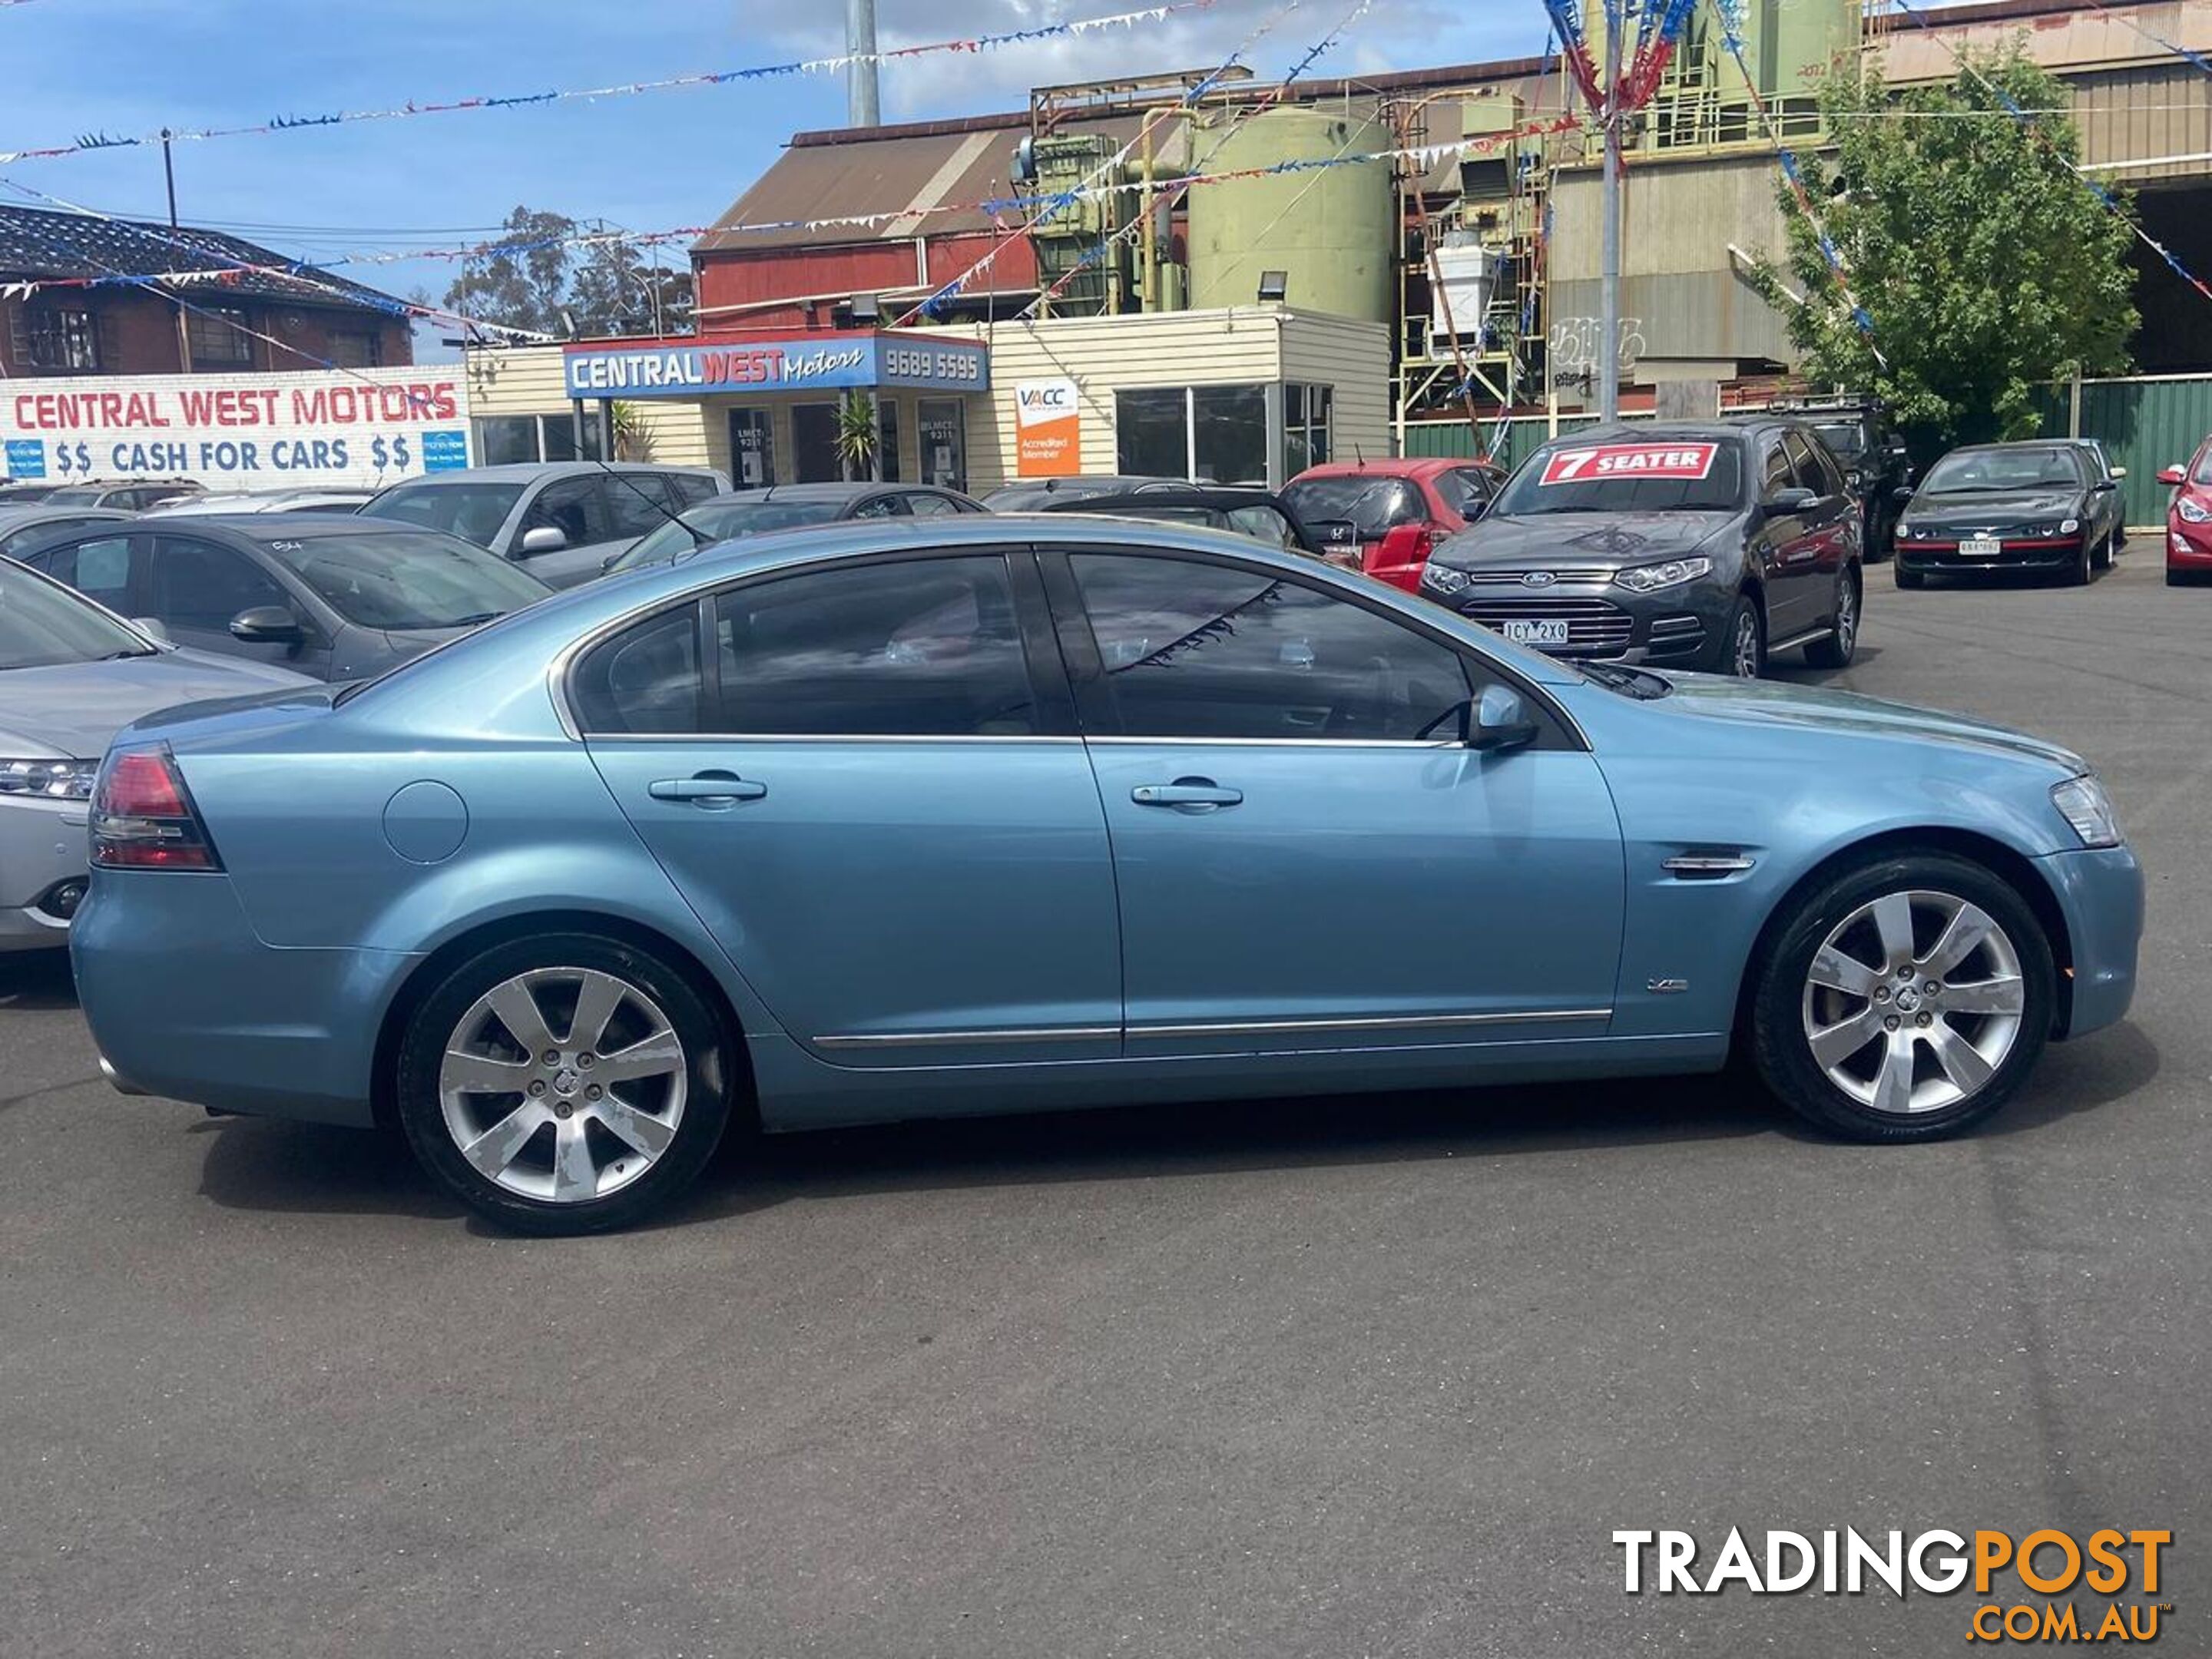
(1909, 578)
(1842, 643)
(2108, 555)
(1846, 1028)
(565, 1083)
(1744, 644)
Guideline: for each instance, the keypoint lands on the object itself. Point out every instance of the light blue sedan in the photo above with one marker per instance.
(993, 815)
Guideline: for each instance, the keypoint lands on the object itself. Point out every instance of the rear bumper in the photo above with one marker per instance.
(185, 1000)
(2100, 891)
(42, 853)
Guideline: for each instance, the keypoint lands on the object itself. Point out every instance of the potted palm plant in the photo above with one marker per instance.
(857, 434)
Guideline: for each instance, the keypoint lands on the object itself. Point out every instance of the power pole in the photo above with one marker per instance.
(861, 108)
(169, 175)
(1608, 351)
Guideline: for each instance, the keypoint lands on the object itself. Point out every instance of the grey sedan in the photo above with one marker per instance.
(73, 674)
(335, 597)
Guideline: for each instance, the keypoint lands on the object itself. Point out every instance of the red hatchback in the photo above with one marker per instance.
(2189, 519)
(1395, 510)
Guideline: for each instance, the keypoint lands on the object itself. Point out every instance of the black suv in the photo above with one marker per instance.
(1691, 544)
(1872, 454)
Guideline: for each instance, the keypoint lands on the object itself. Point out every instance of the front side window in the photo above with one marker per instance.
(1193, 650)
(199, 584)
(638, 503)
(915, 647)
(577, 507)
(1778, 475)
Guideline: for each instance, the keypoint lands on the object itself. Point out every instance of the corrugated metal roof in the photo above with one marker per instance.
(35, 242)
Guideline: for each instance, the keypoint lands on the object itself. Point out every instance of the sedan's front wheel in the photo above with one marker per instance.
(564, 1084)
(1908, 999)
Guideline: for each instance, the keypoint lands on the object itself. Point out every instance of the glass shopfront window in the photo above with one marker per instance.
(1214, 433)
(503, 439)
(1306, 410)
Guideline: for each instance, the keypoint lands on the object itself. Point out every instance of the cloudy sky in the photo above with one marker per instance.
(657, 161)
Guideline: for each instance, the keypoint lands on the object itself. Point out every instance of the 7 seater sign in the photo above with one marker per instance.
(799, 362)
(1647, 460)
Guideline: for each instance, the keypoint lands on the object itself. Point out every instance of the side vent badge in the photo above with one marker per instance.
(1667, 987)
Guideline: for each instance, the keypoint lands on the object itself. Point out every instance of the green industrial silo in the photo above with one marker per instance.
(1330, 230)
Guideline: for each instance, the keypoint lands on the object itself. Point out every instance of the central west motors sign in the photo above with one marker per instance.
(804, 363)
(362, 427)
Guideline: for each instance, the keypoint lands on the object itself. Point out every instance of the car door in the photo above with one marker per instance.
(195, 587)
(868, 783)
(1305, 854)
(1834, 525)
(1787, 544)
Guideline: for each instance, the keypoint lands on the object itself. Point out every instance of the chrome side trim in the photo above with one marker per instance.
(1411, 1023)
(1001, 1034)
(1796, 639)
(611, 737)
(1716, 864)
(1277, 743)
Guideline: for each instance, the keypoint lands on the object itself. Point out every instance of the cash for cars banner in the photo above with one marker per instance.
(371, 425)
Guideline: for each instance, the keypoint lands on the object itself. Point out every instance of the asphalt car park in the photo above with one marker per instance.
(1339, 1376)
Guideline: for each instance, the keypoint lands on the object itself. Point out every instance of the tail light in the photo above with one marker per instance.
(142, 817)
(1402, 546)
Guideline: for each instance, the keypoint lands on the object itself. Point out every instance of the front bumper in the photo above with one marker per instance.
(1684, 627)
(185, 1000)
(2100, 893)
(2188, 546)
(42, 858)
(2033, 554)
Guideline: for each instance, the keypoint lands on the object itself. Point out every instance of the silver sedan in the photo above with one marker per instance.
(72, 674)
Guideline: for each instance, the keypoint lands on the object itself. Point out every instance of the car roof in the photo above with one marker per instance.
(529, 472)
(18, 518)
(1222, 495)
(1392, 466)
(808, 492)
(292, 526)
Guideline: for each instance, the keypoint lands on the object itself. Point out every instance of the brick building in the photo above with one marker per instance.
(122, 328)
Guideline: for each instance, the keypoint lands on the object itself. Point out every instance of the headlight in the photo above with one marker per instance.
(1442, 578)
(48, 780)
(2192, 512)
(2083, 802)
(1650, 578)
(2065, 528)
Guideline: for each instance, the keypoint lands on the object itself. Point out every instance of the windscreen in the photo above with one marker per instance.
(474, 511)
(42, 623)
(722, 521)
(1846, 438)
(1988, 471)
(403, 582)
(1372, 507)
(1658, 474)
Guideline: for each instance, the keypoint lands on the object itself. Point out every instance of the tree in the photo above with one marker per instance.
(543, 281)
(1985, 265)
(856, 435)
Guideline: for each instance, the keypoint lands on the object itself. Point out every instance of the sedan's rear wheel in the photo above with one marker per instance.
(1907, 999)
(565, 1083)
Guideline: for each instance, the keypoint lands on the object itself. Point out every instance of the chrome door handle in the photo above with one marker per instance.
(707, 789)
(1191, 794)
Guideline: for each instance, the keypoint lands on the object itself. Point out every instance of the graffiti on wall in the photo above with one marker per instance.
(1574, 347)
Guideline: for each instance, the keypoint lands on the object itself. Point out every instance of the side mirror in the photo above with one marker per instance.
(1783, 502)
(1501, 721)
(2103, 486)
(2172, 477)
(1902, 492)
(267, 624)
(152, 628)
(541, 538)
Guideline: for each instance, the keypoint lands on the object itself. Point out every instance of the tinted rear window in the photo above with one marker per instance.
(1371, 505)
(474, 511)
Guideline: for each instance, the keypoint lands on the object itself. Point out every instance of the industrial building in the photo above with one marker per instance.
(1406, 296)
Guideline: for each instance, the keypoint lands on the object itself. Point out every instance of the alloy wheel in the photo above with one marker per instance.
(1914, 1002)
(1847, 616)
(568, 1118)
(1743, 648)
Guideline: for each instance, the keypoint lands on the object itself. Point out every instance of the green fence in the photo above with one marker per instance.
(2144, 424)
